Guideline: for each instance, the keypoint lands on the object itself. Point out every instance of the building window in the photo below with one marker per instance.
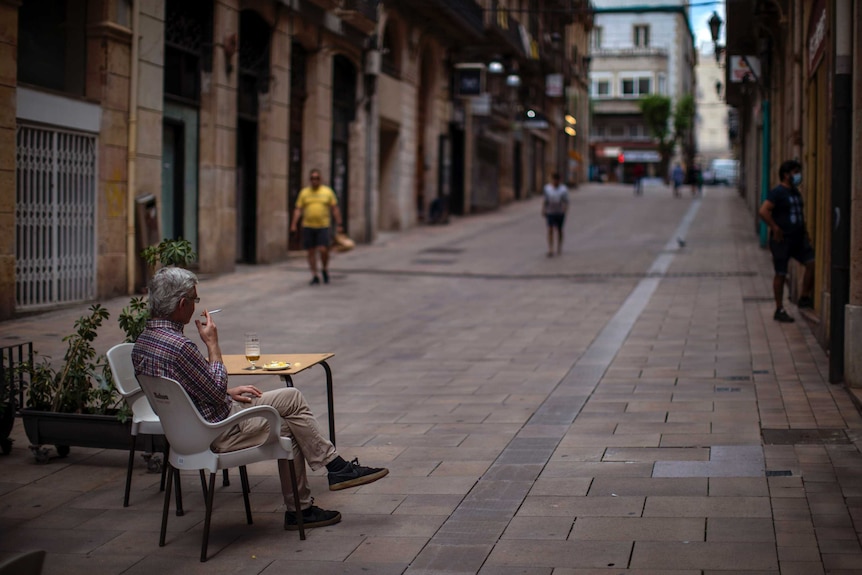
(596, 38)
(634, 87)
(641, 35)
(52, 44)
(617, 131)
(601, 88)
(662, 84)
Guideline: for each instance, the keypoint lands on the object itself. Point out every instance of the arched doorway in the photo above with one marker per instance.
(343, 113)
(254, 49)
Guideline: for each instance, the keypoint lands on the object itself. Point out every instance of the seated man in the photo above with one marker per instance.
(162, 350)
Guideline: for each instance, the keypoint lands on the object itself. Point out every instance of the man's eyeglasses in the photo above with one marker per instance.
(194, 299)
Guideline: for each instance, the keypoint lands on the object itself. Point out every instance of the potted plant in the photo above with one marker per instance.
(133, 318)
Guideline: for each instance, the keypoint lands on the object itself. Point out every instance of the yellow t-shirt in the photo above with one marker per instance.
(316, 206)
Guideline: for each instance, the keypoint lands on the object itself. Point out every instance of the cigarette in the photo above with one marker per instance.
(212, 311)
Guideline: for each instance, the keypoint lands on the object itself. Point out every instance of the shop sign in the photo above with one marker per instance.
(646, 156)
(744, 69)
(469, 79)
(611, 152)
(816, 45)
(554, 85)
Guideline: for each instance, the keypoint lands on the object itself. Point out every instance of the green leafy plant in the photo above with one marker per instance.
(669, 124)
(83, 384)
(133, 318)
(167, 252)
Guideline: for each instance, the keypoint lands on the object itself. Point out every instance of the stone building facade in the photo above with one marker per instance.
(128, 121)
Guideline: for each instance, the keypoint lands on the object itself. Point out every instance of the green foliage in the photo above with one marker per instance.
(133, 318)
(84, 383)
(659, 116)
(170, 253)
(8, 390)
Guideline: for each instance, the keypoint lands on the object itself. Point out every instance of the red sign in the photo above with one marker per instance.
(817, 31)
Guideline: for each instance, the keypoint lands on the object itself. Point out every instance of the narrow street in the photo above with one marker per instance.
(629, 406)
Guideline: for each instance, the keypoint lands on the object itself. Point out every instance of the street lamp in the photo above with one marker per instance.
(715, 23)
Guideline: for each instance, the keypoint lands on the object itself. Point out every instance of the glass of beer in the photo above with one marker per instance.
(252, 349)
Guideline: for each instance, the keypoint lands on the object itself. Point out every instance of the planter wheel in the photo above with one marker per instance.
(40, 453)
(6, 445)
(62, 450)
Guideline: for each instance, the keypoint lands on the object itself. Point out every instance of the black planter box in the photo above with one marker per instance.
(84, 430)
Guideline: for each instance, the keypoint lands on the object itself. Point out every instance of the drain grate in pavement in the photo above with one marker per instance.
(433, 262)
(760, 371)
(757, 299)
(442, 250)
(778, 473)
(727, 389)
(804, 437)
(737, 378)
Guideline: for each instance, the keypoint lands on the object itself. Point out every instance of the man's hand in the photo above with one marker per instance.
(209, 335)
(777, 234)
(208, 331)
(244, 393)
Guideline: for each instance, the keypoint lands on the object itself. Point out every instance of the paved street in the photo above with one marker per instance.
(629, 406)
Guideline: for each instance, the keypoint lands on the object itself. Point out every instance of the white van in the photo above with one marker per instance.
(724, 171)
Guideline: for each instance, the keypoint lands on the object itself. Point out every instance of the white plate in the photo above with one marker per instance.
(277, 367)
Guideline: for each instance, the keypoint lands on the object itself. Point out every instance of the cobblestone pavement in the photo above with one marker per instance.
(629, 406)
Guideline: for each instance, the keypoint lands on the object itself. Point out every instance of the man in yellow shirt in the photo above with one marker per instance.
(313, 206)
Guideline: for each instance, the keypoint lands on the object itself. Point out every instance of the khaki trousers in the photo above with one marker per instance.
(298, 423)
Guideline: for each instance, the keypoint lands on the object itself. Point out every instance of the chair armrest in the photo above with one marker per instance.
(133, 397)
(265, 411)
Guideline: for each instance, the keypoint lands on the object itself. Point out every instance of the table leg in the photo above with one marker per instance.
(330, 401)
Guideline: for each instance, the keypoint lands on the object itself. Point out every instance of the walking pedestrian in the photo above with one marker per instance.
(314, 206)
(678, 177)
(554, 207)
(639, 176)
(788, 237)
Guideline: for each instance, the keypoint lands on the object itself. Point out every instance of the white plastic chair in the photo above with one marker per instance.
(190, 437)
(144, 419)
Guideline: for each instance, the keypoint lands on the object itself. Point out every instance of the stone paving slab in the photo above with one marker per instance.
(539, 416)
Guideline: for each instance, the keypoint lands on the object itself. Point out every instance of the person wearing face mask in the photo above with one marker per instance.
(783, 213)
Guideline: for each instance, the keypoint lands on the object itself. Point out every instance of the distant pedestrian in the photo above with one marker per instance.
(678, 177)
(639, 176)
(554, 207)
(788, 237)
(314, 206)
(696, 180)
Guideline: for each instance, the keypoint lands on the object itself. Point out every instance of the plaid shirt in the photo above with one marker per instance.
(163, 351)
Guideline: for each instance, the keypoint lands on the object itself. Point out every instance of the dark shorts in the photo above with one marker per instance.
(794, 246)
(556, 220)
(315, 237)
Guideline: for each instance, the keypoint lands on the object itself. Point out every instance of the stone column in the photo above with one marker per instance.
(8, 83)
(217, 183)
(853, 310)
(107, 81)
(272, 209)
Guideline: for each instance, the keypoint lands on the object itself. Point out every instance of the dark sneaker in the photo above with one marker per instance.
(805, 302)
(312, 517)
(325, 277)
(782, 316)
(353, 475)
(314, 281)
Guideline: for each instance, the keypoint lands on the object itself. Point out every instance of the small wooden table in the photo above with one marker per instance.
(238, 365)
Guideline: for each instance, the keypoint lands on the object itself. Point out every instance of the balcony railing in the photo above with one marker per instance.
(365, 8)
(630, 51)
